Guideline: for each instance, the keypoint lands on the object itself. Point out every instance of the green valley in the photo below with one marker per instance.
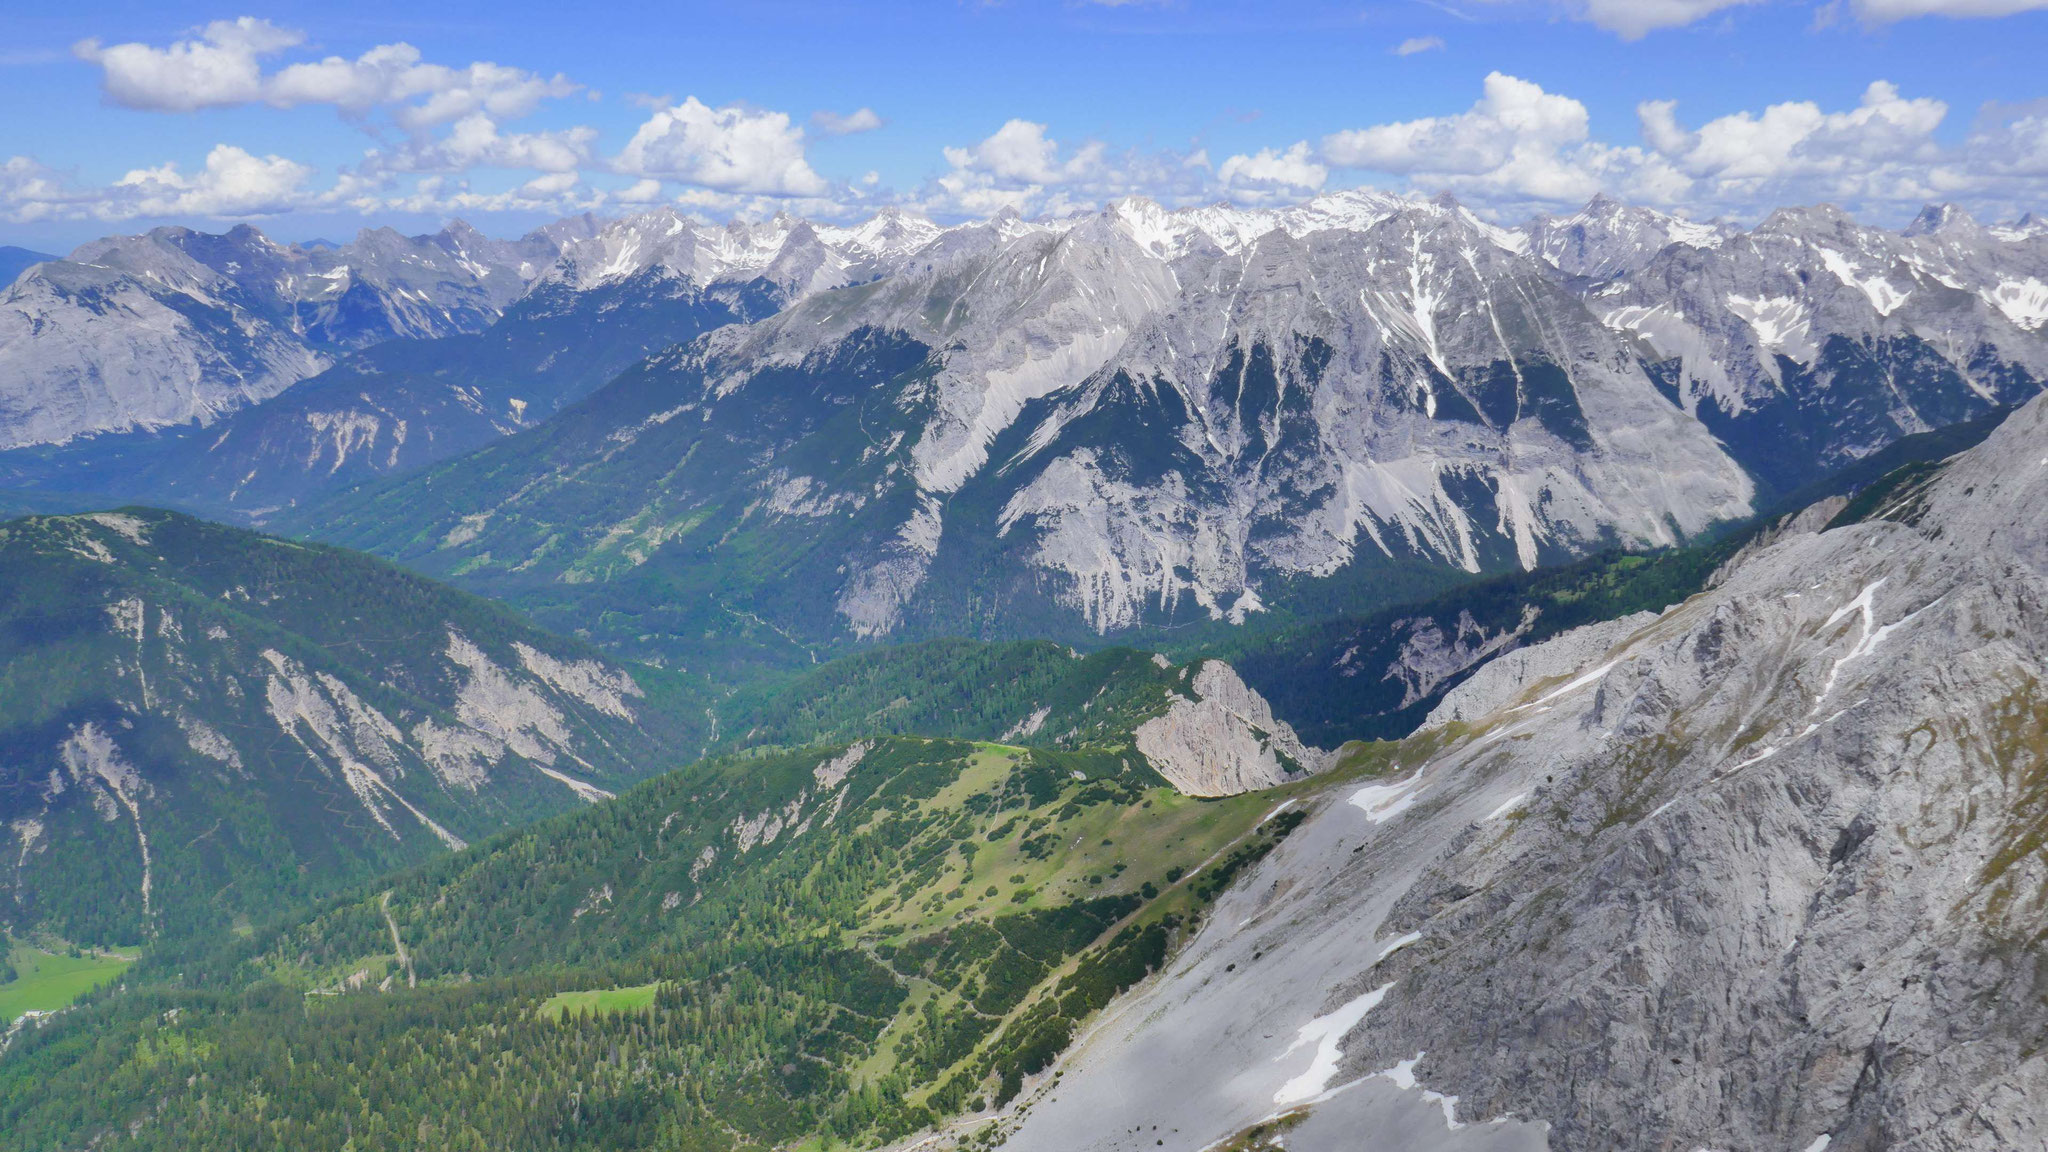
(849, 942)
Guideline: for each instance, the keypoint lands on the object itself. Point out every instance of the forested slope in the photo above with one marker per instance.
(201, 725)
(842, 943)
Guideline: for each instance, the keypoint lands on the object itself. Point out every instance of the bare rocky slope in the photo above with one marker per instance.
(179, 327)
(1765, 871)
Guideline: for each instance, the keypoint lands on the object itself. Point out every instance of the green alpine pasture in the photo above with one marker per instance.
(45, 980)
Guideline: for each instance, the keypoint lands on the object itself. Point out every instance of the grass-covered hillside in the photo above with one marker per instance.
(201, 726)
(816, 948)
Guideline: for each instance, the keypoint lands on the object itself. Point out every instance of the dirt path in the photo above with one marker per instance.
(397, 942)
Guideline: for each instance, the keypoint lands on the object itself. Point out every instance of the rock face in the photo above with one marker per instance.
(1133, 418)
(406, 351)
(1124, 420)
(1608, 239)
(1225, 740)
(1104, 423)
(1762, 871)
(1501, 679)
(178, 327)
(1811, 341)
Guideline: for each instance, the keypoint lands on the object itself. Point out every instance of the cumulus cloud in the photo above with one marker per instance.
(1883, 149)
(730, 149)
(1273, 174)
(217, 68)
(1517, 145)
(833, 124)
(1520, 148)
(222, 66)
(1634, 19)
(646, 191)
(1020, 168)
(231, 184)
(1517, 148)
(556, 192)
(475, 141)
(1511, 115)
(30, 191)
(1415, 45)
(1020, 153)
(424, 94)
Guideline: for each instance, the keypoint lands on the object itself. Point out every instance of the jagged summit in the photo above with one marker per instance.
(1935, 218)
(1143, 412)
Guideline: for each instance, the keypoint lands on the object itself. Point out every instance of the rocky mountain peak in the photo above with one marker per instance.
(1938, 218)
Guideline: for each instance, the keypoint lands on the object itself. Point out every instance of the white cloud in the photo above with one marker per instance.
(730, 149)
(555, 192)
(30, 191)
(833, 124)
(216, 69)
(1512, 116)
(641, 192)
(233, 184)
(230, 184)
(476, 142)
(1416, 45)
(1634, 19)
(1020, 153)
(1517, 145)
(1271, 174)
(222, 67)
(1516, 149)
(1019, 167)
(1886, 11)
(392, 74)
(1880, 149)
(1520, 148)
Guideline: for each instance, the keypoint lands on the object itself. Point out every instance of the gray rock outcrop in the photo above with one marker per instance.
(1766, 872)
(1224, 740)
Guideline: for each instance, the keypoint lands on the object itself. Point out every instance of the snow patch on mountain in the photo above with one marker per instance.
(2024, 302)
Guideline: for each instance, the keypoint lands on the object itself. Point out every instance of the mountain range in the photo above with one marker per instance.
(1216, 679)
(812, 436)
(1143, 420)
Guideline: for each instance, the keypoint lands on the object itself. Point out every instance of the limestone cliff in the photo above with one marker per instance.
(1224, 740)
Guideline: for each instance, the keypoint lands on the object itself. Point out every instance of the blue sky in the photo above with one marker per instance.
(124, 115)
